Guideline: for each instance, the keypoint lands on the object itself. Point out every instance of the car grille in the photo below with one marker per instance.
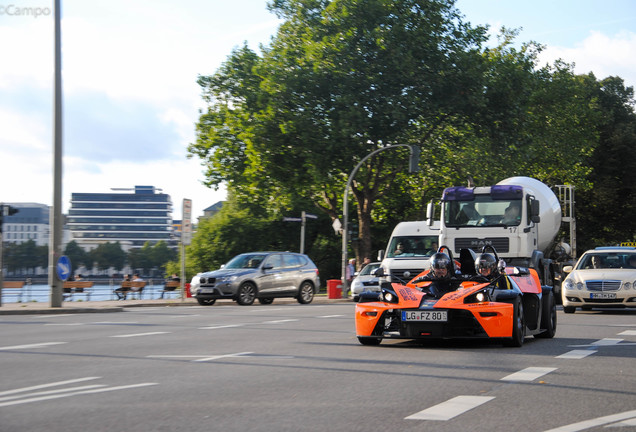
(204, 280)
(411, 273)
(603, 285)
(501, 244)
(371, 283)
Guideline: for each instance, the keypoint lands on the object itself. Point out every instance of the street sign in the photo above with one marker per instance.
(63, 268)
(186, 223)
(291, 219)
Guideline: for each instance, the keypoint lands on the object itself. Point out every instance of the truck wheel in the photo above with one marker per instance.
(518, 326)
(548, 317)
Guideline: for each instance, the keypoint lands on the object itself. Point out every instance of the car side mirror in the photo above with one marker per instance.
(379, 272)
(568, 269)
(268, 267)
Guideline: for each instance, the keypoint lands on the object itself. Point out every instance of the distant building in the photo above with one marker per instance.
(31, 222)
(132, 219)
(213, 209)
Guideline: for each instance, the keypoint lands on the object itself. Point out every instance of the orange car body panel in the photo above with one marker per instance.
(495, 317)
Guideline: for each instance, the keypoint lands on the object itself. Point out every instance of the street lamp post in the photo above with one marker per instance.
(414, 161)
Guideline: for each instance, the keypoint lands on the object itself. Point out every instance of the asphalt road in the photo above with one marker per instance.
(291, 367)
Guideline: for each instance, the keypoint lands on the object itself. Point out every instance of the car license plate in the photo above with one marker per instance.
(602, 295)
(206, 290)
(439, 316)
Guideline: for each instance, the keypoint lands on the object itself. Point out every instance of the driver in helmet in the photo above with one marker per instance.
(441, 275)
(487, 267)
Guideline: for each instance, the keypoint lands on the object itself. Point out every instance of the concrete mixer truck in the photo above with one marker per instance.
(520, 216)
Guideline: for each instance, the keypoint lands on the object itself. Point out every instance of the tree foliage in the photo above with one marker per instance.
(342, 78)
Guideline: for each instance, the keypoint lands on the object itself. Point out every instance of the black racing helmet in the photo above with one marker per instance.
(486, 261)
(440, 260)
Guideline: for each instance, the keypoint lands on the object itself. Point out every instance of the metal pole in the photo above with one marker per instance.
(345, 214)
(56, 211)
(302, 232)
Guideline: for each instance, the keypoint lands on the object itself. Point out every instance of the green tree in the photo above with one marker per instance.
(162, 254)
(108, 255)
(341, 79)
(77, 255)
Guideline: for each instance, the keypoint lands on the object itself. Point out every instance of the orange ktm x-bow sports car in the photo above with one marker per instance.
(509, 308)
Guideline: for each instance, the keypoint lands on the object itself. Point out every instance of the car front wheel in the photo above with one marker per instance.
(518, 325)
(246, 294)
(306, 293)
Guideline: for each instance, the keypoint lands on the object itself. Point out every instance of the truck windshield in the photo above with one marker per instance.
(412, 246)
(482, 211)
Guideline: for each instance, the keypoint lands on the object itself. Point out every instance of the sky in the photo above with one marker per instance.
(130, 96)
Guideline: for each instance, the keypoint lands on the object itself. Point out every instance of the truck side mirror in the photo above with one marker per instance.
(534, 211)
(430, 213)
(380, 254)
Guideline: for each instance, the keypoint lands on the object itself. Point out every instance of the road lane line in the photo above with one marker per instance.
(41, 386)
(587, 424)
(221, 326)
(224, 356)
(37, 345)
(57, 396)
(576, 354)
(49, 392)
(330, 316)
(628, 333)
(451, 408)
(140, 334)
(279, 321)
(528, 374)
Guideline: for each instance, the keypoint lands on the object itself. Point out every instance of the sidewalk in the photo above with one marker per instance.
(119, 306)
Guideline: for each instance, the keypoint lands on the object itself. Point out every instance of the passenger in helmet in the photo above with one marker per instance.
(441, 276)
(486, 266)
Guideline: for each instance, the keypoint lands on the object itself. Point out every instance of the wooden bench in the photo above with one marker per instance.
(13, 285)
(77, 287)
(131, 287)
(170, 286)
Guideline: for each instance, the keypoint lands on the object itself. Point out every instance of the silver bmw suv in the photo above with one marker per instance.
(260, 275)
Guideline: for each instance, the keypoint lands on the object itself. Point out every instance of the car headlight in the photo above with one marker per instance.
(579, 285)
(569, 284)
(478, 297)
(627, 285)
(390, 297)
(227, 279)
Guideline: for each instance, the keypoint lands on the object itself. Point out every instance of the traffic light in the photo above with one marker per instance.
(414, 159)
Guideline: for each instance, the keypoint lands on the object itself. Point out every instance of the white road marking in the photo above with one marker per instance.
(587, 424)
(53, 316)
(223, 356)
(528, 374)
(41, 386)
(64, 324)
(279, 321)
(73, 393)
(49, 392)
(576, 354)
(451, 408)
(330, 316)
(37, 345)
(115, 322)
(628, 333)
(601, 342)
(221, 326)
(139, 334)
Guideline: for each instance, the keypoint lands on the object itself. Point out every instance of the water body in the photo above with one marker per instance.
(42, 293)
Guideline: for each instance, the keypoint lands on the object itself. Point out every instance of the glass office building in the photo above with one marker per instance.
(132, 219)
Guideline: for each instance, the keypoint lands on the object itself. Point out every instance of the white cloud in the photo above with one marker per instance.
(601, 54)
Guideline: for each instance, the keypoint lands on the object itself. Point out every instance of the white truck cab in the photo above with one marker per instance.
(409, 249)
